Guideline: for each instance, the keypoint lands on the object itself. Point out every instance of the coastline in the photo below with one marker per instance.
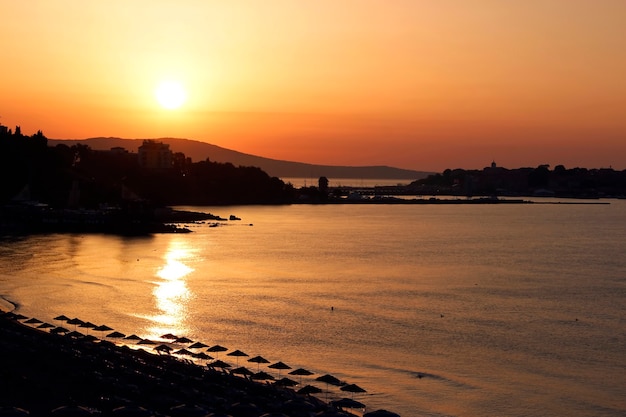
(45, 372)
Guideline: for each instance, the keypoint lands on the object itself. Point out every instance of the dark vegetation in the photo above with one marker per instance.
(77, 176)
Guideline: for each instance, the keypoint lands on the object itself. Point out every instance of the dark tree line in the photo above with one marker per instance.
(64, 176)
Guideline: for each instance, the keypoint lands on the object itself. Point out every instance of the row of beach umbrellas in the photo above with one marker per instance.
(164, 348)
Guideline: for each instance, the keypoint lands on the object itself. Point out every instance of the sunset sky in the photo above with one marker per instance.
(418, 84)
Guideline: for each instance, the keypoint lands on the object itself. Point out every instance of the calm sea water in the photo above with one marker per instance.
(508, 310)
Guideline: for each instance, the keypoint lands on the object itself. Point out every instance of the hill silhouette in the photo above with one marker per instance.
(200, 151)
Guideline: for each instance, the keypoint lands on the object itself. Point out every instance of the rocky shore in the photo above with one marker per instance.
(46, 372)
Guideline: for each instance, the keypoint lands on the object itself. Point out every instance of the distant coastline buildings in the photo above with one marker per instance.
(155, 155)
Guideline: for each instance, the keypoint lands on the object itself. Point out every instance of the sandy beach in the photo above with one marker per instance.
(47, 371)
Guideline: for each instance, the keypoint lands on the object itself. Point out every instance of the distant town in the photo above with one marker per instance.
(76, 177)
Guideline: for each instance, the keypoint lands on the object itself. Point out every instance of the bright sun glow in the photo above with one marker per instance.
(171, 94)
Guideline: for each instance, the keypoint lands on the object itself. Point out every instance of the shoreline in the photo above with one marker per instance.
(44, 370)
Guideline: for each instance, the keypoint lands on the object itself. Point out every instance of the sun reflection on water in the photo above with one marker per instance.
(172, 293)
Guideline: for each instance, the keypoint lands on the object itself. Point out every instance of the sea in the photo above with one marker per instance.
(434, 310)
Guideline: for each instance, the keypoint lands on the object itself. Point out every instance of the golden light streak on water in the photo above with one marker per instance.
(172, 292)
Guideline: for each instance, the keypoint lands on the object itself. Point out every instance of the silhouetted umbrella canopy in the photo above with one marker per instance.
(132, 411)
(102, 328)
(348, 403)
(187, 410)
(279, 365)
(59, 329)
(242, 370)
(198, 345)
(146, 342)
(182, 352)
(217, 348)
(262, 376)
(309, 389)
(183, 340)
(237, 354)
(33, 321)
(352, 388)
(258, 360)
(163, 348)
(133, 337)
(13, 412)
(75, 321)
(169, 336)
(87, 324)
(286, 382)
(116, 335)
(62, 318)
(381, 413)
(71, 411)
(45, 326)
(19, 317)
(75, 334)
(329, 379)
(300, 371)
(218, 364)
(202, 356)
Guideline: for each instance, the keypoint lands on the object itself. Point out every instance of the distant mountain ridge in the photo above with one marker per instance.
(200, 151)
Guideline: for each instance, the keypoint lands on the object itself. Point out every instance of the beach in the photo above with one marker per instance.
(52, 370)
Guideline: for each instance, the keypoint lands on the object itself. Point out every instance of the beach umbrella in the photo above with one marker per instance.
(163, 348)
(45, 326)
(242, 370)
(237, 354)
(186, 410)
(309, 389)
(62, 318)
(301, 372)
(202, 356)
(262, 376)
(116, 335)
(131, 411)
(182, 352)
(102, 328)
(183, 340)
(71, 411)
(217, 349)
(75, 334)
(329, 379)
(19, 317)
(353, 388)
(133, 337)
(146, 342)
(280, 366)
(88, 325)
(348, 403)
(75, 321)
(218, 364)
(58, 330)
(13, 412)
(33, 321)
(169, 336)
(381, 413)
(198, 345)
(258, 360)
(286, 382)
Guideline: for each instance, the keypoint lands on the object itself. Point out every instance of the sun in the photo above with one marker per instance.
(170, 94)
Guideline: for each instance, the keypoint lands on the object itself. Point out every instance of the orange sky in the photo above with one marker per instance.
(419, 84)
